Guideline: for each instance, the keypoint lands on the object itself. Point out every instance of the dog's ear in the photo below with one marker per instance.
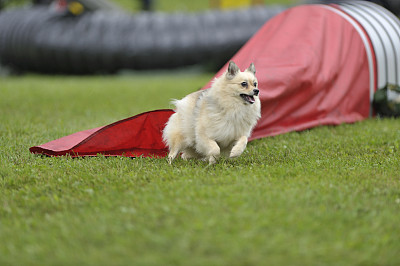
(252, 69)
(233, 69)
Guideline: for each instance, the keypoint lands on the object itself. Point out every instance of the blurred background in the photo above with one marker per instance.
(156, 5)
(107, 36)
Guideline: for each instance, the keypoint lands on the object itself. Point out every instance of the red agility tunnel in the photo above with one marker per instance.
(316, 65)
(139, 135)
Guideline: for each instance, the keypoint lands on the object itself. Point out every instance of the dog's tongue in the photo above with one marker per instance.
(250, 99)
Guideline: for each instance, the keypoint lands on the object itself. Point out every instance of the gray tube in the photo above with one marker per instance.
(42, 40)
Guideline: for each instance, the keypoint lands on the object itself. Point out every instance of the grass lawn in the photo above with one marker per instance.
(327, 196)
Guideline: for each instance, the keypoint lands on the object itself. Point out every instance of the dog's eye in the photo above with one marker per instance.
(244, 84)
(255, 84)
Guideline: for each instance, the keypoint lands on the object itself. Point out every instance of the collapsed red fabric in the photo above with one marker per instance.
(140, 135)
(313, 69)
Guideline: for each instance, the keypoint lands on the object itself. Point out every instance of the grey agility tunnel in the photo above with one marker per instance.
(45, 40)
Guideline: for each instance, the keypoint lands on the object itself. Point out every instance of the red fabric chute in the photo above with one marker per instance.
(314, 68)
(140, 135)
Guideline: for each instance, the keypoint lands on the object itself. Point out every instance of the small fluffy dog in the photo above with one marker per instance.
(217, 120)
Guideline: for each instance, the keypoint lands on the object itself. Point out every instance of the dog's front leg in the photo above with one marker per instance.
(239, 147)
(208, 147)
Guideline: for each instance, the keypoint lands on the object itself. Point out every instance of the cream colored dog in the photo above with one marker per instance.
(217, 120)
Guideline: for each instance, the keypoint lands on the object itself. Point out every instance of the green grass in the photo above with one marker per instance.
(327, 196)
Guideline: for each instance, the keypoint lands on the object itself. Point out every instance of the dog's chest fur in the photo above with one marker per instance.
(228, 120)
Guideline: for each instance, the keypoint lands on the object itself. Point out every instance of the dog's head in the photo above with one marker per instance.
(243, 84)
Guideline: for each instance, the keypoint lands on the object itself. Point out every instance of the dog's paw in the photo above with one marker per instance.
(187, 155)
(239, 147)
(236, 152)
(212, 160)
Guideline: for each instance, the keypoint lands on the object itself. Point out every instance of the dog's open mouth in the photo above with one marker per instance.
(248, 98)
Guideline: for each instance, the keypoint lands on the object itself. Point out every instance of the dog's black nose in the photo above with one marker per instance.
(256, 91)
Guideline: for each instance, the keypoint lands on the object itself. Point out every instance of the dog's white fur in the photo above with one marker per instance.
(217, 120)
